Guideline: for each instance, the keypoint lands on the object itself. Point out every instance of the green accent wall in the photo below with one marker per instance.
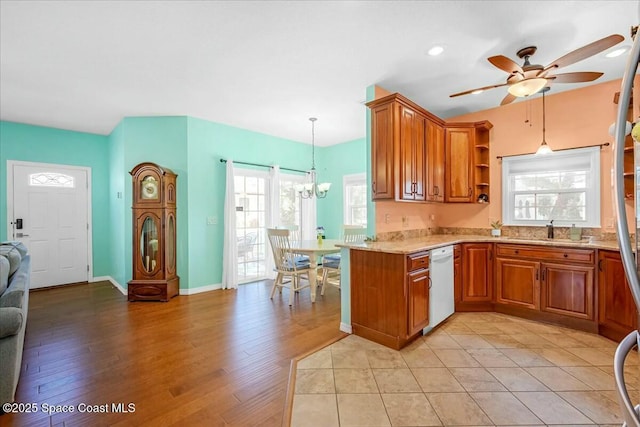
(29, 143)
(117, 209)
(336, 161)
(190, 147)
(371, 208)
(160, 140)
(208, 143)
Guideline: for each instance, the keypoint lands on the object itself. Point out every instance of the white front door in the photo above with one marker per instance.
(48, 212)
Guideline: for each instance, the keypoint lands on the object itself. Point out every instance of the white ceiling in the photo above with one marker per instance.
(268, 66)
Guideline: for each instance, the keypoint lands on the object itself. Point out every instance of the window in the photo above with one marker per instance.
(290, 205)
(51, 179)
(563, 186)
(355, 199)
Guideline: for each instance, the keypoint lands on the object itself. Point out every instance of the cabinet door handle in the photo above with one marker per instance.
(414, 187)
(517, 252)
(537, 272)
(373, 187)
(490, 255)
(436, 190)
(600, 265)
(470, 192)
(543, 271)
(430, 282)
(566, 255)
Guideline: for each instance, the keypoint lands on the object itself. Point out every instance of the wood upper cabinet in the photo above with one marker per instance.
(467, 162)
(477, 272)
(416, 156)
(459, 164)
(382, 152)
(518, 282)
(412, 154)
(435, 162)
(617, 313)
(567, 290)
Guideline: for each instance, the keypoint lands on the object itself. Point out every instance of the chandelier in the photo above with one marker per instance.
(312, 188)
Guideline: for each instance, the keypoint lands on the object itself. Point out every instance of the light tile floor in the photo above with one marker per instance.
(477, 369)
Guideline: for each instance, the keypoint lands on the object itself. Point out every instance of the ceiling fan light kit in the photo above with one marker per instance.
(530, 78)
(527, 87)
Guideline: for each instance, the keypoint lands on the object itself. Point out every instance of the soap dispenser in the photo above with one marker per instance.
(575, 233)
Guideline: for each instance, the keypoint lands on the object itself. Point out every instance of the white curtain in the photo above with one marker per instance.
(308, 230)
(273, 212)
(230, 249)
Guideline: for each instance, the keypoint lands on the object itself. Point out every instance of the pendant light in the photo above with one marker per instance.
(312, 188)
(544, 147)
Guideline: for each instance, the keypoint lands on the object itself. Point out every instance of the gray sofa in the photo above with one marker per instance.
(15, 270)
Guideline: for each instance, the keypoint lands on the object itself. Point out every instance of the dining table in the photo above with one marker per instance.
(313, 249)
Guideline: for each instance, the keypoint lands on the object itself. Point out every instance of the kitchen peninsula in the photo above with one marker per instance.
(577, 284)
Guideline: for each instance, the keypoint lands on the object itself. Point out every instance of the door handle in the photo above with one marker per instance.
(600, 265)
(21, 235)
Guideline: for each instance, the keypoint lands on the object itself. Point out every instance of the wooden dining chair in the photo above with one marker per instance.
(331, 262)
(286, 264)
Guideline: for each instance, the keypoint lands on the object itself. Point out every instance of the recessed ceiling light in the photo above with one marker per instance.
(436, 50)
(617, 52)
(476, 92)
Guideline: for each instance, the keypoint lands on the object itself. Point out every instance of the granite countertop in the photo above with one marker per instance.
(435, 241)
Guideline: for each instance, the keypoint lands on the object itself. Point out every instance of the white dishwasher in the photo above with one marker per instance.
(441, 302)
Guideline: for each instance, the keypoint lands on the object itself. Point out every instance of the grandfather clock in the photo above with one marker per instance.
(154, 234)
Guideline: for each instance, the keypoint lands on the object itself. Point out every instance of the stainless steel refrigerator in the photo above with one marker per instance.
(628, 248)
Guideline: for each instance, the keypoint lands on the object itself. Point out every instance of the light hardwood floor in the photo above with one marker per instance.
(213, 359)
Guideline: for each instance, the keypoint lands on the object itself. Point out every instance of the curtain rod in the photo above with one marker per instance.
(263, 166)
(604, 144)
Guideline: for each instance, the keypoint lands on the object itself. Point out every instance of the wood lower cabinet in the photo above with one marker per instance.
(457, 274)
(477, 275)
(567, 290)
(518, 283)
(418, 300)
(547, 283)
(617, 313)
(389, 296)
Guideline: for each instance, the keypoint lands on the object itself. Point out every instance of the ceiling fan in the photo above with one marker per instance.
(530, 78)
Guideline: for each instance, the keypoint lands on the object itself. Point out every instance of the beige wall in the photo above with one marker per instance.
(574, 118)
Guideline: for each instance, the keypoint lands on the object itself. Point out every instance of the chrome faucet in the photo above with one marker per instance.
(550, 230)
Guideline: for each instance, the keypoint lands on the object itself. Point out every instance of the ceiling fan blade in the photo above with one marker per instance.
(505, 64)
(586, 51)
(508, 99)
(584, 76)
(467, 92)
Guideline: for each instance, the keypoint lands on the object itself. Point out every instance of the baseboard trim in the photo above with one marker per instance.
(113, 281)
(345, 327)
(201, 289)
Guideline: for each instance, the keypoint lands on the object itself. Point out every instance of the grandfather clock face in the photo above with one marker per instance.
(149, 187)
